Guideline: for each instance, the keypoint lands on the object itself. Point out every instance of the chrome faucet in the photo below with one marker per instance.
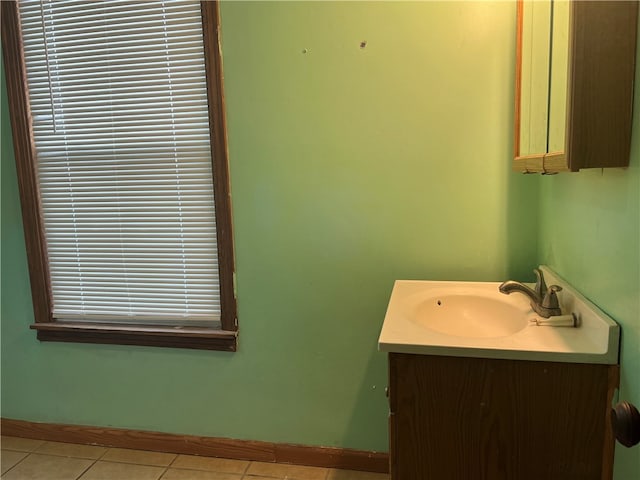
(544, 301)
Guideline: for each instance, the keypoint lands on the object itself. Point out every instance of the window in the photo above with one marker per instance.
(118, 125)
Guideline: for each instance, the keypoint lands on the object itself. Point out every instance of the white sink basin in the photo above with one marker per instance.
(476, 314)
(473, 319)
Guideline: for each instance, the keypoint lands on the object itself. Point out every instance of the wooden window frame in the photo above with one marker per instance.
(224, 338)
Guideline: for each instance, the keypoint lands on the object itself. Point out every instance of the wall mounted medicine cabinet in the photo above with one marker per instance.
(575, 67)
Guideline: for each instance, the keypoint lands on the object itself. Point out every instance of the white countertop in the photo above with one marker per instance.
(595, 340)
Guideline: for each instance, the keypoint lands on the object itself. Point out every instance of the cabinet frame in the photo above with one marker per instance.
(601, 71)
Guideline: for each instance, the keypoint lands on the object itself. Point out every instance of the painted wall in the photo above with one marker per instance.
(590, 235)
(351, 167)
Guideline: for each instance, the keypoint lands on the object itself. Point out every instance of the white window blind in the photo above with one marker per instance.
(120, 118)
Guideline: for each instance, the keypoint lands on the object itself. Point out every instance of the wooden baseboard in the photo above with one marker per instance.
(195, 445)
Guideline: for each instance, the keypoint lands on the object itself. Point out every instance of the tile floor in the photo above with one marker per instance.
(26, 459)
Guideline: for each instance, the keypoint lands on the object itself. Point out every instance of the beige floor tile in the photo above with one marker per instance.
(91, 452)
(182, 474)
(122, 471)
(259, 477)
(141, 457)
(222, 465)
(48, 467)
(353, 475)
(8, 459)
(19, 444)
(292, 472)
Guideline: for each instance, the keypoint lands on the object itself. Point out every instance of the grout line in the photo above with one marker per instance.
(2, 447)
(62, 455)
(173, 461)
(86, 469)
(101, 458)
(121, 461)
(18, 462)
(166, 469)
(106, 450)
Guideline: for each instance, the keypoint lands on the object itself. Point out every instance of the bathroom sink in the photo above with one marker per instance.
(475, 314)
(473, 319)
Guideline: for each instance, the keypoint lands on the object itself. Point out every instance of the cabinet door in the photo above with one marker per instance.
(484, 419)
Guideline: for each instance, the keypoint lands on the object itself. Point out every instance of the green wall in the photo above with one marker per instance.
(590, 235)
(351, 167)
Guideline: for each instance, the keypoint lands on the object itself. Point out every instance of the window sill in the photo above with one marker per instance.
(154, 336)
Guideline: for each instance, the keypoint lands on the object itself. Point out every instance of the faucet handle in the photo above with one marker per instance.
(550, 299)
(541, 286)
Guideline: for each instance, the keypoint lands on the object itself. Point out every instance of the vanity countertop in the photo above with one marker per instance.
(594, 340)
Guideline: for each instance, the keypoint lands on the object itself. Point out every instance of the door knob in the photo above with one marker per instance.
(625, 420)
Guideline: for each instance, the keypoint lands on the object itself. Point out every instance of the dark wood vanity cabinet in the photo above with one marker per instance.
(454, 418)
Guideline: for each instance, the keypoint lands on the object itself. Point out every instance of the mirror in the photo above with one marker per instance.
(543, 75)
